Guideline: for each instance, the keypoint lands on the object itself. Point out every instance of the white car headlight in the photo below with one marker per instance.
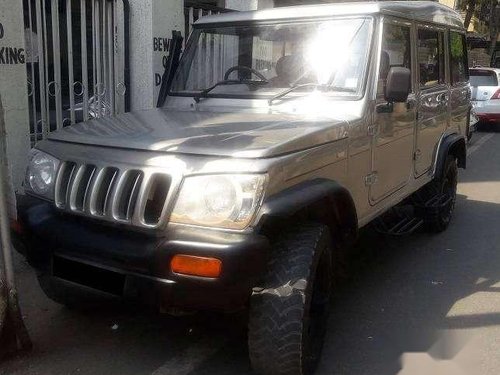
(221, 201)
(41, 173)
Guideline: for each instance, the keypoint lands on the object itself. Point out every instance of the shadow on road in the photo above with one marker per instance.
(401, 291)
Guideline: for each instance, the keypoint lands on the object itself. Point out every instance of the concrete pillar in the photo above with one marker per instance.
(151, 25)
(265, 4)
(13, 86)
(243, 5)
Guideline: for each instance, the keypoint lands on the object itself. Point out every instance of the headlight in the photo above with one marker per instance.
(222, 201)
(41, 173)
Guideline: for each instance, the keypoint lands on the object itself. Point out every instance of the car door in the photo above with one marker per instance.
(459, 79)
(433, 95)
(393, 129)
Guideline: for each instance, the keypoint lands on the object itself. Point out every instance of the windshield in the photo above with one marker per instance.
(263, 60)
(483, 78)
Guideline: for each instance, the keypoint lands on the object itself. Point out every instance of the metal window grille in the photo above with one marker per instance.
(212, 50)
(77, 61)
(194, 11)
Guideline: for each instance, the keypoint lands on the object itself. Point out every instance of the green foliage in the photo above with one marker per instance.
(456, 45)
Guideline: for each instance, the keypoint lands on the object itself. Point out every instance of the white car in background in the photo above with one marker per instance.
(485, 84)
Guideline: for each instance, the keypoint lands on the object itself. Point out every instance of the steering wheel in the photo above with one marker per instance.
(245, 68)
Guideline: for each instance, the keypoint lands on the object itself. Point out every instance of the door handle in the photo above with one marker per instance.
(417, 154)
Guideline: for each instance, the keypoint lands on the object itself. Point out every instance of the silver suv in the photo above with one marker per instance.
(280, 133)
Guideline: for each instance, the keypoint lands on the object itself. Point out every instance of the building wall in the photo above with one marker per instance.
(243, 5)
(141, 58)
(151, 25)
(13, 87)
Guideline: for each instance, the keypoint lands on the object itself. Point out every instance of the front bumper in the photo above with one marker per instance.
(83, 256)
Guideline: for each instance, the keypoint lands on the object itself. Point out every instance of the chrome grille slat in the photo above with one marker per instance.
(94, 187)
(62, 181)
(82, 179)
(101, 190)
(68, 188)
(138, 217)
(108, 192)
(133, 196)
(87, 188)
(126, 195)
(73, 190)
(138, 197)
(156, 198)
(118, 197)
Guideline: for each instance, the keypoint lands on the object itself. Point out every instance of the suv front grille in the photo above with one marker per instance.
(115, 194)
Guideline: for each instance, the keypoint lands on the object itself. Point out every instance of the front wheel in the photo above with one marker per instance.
(289, 310)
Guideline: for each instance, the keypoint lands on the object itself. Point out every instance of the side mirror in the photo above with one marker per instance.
(398, 85)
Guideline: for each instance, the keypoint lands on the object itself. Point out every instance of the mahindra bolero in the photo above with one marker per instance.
(279, 134)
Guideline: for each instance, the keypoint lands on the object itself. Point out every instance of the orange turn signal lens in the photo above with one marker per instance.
(196, 266)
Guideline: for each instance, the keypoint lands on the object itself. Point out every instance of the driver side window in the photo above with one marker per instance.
(396, 51)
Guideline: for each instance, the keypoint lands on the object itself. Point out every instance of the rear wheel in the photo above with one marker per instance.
(289, 310)
(446, 189)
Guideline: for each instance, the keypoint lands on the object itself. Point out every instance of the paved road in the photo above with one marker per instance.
(423, 304)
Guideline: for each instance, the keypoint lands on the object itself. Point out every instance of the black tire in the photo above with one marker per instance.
(289, 311)
(447, 186)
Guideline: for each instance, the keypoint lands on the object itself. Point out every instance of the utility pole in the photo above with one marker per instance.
(13, 334)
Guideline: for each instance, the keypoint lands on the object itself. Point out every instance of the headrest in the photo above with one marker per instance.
(290, 68)
(385, 64)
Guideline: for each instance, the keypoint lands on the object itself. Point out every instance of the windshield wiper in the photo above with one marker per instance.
(203, 93)
(321, 86)
(293, 88)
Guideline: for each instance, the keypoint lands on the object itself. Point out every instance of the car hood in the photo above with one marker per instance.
(247, 135)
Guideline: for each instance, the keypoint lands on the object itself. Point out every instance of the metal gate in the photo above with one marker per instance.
(77, 60)
(193, 11)
(212, 46)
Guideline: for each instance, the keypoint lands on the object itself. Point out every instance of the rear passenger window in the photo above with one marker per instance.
(396, 51)
(483, 78)
(431, 57)
(458, 58)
